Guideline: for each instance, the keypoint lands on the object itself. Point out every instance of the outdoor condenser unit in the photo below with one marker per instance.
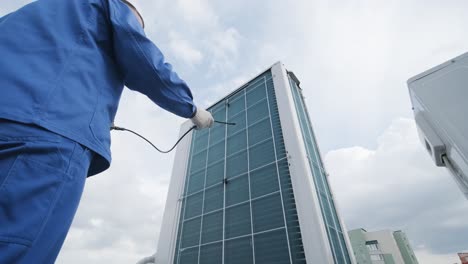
(440, 103)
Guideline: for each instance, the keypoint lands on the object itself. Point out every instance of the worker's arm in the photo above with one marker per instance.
(3, 18)
(135, 12)
(143, 66)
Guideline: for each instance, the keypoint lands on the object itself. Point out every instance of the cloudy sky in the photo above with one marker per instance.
(353, 59)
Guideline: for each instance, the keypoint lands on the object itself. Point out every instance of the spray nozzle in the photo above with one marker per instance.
(225, 123)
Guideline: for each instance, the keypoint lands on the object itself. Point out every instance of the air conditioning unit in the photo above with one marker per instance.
(430, 140)
(439, 98)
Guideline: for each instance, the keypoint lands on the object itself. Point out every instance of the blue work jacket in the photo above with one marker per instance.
(63, 66)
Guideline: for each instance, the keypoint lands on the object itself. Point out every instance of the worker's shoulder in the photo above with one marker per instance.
(77, 4)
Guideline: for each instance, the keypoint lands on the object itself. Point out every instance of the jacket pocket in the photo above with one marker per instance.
(27, 196)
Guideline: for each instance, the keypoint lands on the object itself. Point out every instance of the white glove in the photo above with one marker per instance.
(202, 119)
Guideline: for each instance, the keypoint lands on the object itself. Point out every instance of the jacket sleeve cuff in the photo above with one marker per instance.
(194, 112)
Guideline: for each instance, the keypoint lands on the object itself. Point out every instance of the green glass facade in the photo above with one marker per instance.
(327, 206)
(238, 204)
(405, 248)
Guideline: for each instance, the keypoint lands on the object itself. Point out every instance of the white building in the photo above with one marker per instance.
(381, 247)
(384, 244)
(256, 192)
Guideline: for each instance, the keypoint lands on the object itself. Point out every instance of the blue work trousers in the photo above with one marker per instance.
(42, 176)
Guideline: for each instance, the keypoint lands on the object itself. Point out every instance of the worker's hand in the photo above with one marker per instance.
(202, 119)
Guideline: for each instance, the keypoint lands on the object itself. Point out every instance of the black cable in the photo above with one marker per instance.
(178, 141)
(162, 151)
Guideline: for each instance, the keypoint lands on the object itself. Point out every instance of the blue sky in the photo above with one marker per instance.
(353, 59)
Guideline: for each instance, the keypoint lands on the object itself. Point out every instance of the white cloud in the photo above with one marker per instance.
(192, 33)
(397, 186)
(354, 59)
(198, 12)
(10, 6)
(425, 257)
(224, 46)
(184, 50)
(220, 43)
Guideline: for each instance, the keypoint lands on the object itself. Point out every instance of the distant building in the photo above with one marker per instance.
(381, 247)
(463, 257)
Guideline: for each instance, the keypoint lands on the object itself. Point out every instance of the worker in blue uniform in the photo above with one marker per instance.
(63, 66)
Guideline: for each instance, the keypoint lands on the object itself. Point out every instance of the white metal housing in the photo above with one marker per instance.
(168, 234)
(314, 236)
(439, 97)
